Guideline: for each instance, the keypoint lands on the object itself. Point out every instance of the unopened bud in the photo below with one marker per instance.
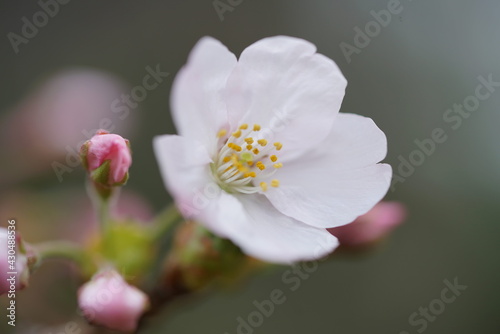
(372, 226)
(107, 158)
(108, 300)
(14, 268)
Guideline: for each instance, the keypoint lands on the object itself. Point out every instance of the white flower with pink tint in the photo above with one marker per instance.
(108, 300)
(107, 148)
(263, 157)
(372, 226)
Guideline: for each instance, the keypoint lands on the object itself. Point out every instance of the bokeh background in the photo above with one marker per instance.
(425, 60)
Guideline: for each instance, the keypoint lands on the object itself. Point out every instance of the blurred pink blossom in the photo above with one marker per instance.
(52, 122)
(372, 226)
(108, 300)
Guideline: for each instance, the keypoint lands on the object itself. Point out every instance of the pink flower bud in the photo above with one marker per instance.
(107, 300)
(107, 157)
(372, 226)
(12, 260)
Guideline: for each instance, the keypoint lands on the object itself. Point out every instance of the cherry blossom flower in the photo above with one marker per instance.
(263, 156)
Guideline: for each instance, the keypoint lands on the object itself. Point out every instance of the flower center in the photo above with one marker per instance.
(245, 160)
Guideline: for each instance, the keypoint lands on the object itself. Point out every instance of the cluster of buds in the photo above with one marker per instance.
(107, 299)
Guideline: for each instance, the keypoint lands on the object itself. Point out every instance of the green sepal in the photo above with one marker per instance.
(129, 246)
(84, 150)
(101, 174)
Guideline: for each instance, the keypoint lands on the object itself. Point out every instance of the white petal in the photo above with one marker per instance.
(355, 141)
(338, 181)
(287, 88)
(184, 166)
(198, 102)
(261, 231)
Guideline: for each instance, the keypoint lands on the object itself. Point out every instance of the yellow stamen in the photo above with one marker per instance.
(260, 165)
(240, 165)
(263, 186)
(242, 168)
(262, 142)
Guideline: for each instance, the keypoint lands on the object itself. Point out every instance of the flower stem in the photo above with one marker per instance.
(60, 250)
(101, 198)
(103, 208)
(165, 221)
(163, 231)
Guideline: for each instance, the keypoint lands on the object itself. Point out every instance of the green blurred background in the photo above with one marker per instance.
(427, 59)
